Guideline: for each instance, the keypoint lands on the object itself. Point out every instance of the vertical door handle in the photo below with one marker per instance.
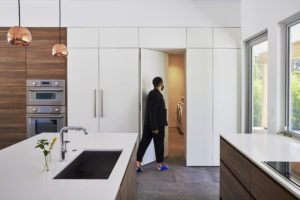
(95, 103)
(102, 98)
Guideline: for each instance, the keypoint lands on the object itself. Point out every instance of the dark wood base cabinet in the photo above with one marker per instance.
(241, 179)
(128, 187)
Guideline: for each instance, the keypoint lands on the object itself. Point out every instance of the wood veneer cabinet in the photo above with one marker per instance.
(12, 96)
(241, 179)
(18, 64)
(39, 60)
(128, 187)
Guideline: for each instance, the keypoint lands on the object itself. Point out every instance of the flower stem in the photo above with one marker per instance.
(46, 167)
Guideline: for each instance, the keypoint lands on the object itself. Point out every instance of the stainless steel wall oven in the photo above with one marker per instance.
(46, 110)
(45, 119)
(45, 92)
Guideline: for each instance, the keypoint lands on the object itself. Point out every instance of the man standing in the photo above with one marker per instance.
(154, 125)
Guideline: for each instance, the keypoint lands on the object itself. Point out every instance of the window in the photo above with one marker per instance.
(293, 78)
(258, 84)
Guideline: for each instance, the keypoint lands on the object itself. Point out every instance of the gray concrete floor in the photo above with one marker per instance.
(179, 182)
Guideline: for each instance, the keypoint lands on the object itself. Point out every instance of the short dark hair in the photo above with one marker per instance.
(157, 81)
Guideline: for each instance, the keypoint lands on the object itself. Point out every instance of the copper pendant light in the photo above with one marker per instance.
(18, 35)
(59, 50)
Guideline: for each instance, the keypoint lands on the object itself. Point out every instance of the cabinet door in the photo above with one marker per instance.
(82, 88)
(162, 37)
(263, 187)
(226, 117)
(230, 187)
(118, 37)
(83, 37)
(153, 63)
(227, 38)
(199, 107)
(199, 37)
(119, 90)
(12, 95)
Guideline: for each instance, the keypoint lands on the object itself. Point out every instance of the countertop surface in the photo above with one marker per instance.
(21, 176)
(268, 147)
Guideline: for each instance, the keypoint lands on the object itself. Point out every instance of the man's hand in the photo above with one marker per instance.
(155, 131)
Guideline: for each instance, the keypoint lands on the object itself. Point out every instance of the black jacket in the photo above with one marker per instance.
(155, 111)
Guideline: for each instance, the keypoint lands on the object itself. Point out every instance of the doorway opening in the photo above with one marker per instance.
(170, 65)
(176, 111)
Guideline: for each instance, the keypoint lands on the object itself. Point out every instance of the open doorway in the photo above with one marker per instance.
(176, 111)
(170, 65)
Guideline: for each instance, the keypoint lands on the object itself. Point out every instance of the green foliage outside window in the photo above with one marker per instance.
(295, 97)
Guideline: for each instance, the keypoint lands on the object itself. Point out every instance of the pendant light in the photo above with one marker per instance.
(18, 35)
(59, 50)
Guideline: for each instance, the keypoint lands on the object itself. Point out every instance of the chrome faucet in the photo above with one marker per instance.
(64, 142)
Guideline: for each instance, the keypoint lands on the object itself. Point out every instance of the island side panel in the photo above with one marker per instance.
(253, 181)
(128, 188)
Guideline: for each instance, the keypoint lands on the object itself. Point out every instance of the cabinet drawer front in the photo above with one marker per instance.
(230, 188)
(264, 188)
(237, 163)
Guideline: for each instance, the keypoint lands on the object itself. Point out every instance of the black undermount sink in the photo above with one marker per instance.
(91, 165)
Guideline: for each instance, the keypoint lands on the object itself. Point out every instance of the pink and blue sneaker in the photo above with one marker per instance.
(139, 169)
(162, 167)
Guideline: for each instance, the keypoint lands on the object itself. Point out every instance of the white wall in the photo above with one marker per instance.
(257, 15)
(83, 13)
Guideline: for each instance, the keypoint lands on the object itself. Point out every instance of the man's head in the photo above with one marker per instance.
(158, 83)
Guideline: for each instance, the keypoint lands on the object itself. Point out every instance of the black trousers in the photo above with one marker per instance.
(158, 139)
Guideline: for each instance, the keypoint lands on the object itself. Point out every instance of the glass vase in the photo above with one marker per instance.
(46, 163)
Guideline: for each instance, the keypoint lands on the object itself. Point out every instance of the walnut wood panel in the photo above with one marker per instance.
(46, 37)
(12, 94)
(237, 163)
(230, 188)
(8, 139)
(128, 187)
(41, 37)
(42, 65)
(12, 66)
(3, 38)
(264, 187)
(18, 64)
(12, 97)
(11, 116)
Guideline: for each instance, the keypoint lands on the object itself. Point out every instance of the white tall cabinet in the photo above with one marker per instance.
(119, 80)
(83, 78)
(212, 90)
(199, 142)
(226, 101)
(103, 79)
(83, 88)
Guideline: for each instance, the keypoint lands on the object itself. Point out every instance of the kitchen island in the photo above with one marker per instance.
(244, 173)
(22, 178)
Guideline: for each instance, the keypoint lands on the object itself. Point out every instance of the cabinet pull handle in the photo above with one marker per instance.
(95, 103)
(102, 98)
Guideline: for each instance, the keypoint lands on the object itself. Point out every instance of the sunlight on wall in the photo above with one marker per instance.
(176, 84)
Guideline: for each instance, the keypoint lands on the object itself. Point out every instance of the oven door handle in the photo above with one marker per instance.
(46, 89)
(44, 116)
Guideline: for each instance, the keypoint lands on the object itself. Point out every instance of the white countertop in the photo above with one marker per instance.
(21, 176)
(268, 147)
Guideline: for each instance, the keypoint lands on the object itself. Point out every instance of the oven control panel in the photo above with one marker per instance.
(45, 83)
(46, 109)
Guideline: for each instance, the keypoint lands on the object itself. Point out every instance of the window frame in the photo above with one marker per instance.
(257, 39)
(287, 77)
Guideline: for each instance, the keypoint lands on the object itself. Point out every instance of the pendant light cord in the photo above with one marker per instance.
(19, 11)
(59, 22)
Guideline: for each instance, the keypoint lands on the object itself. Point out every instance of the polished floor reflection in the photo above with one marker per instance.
(179, 182)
